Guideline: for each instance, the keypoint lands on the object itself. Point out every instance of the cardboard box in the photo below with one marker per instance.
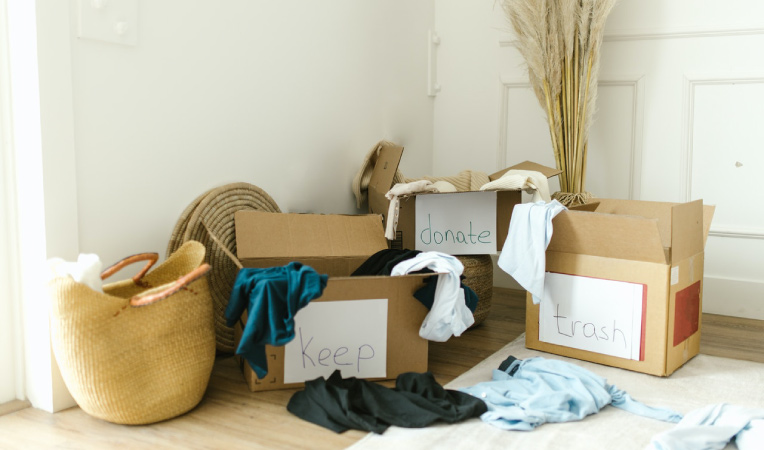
(335, 245)
(624, 260)
(465, 228)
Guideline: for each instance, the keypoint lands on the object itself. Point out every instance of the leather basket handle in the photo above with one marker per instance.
(179, 284)
(150, 259)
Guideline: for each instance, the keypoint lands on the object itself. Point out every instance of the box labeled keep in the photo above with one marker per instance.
(624, 285)
(365, 326)
(457, 223)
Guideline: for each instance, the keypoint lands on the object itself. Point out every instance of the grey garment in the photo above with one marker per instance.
(351, 403)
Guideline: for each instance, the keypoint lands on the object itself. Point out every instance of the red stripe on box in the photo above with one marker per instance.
(686, 313)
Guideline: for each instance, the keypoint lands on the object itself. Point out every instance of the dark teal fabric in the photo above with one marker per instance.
(426, 294)
(271, 298)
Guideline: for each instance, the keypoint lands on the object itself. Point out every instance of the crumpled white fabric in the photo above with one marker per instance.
(86, 270)
(531, 181)
(712, 427)
(449, 315)
(524, 253)
(396, 191)
(444, 186)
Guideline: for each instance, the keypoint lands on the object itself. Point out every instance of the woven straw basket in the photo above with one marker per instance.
(212, 214)
(478, 275)
(143, 350)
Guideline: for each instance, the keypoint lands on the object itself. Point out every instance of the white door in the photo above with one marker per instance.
(680, 108)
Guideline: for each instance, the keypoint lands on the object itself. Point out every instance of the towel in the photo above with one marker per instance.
(527, 180)
(398, 190)
(86, 270)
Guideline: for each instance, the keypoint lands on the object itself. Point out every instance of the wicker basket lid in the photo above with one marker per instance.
(213, 212)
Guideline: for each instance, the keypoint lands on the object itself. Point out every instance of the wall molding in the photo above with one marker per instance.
(736, 232)
(733, 297)
(637, 86)
(635, 83)
(654, 34)
(690, 83)
(506, 85)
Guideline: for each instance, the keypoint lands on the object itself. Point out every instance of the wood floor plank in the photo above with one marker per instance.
(232, 417)
(13, 406)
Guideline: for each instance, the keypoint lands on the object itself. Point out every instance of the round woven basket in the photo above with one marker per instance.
(213, 212)
(130, 362)
(478, 276)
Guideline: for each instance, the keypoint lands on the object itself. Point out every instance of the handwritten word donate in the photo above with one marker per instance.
(433, 235)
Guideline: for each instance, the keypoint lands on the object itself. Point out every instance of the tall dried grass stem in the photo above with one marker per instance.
(560, 41)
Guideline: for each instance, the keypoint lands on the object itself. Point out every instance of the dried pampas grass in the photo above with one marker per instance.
(560, 41)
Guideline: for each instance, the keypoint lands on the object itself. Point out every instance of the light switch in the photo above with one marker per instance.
(113, 21)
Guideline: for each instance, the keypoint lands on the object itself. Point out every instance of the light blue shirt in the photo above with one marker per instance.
(538, 390)
(712, 427)
(524, 253)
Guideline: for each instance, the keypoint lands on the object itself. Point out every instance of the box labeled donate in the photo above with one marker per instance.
(366, 327)
(457, 223)
(623, 285)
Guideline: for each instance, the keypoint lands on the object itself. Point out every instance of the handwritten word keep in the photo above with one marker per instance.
(334, 357)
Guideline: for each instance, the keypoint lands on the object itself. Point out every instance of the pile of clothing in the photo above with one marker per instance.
(522, 395)
(273, 296)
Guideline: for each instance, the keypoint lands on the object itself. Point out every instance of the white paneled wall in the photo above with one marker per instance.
(679, 114)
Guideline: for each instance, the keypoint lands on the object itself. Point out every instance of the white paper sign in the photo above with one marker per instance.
(348, 335)
(592, 314)
(462, 223)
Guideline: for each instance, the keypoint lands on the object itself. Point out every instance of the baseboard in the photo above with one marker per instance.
(13, 406)
(736, 298)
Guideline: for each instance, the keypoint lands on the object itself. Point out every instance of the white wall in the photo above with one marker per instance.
(288, 96)
(467, 106)
(8, 257)
(681, 89)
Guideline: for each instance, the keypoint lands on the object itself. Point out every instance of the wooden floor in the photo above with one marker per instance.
(232, 417)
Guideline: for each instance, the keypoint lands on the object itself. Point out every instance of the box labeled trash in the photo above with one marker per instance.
(623, 285)
(365, 326)
(457, 223)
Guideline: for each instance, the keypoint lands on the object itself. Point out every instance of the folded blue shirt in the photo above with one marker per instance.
(271, 298)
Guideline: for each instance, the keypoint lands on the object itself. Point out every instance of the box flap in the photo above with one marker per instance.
(262, 234)
(641, 208)
(607, 235)
(591, 206)
(382, 176)
(527, 165)
(686, 230)
(708, 215)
